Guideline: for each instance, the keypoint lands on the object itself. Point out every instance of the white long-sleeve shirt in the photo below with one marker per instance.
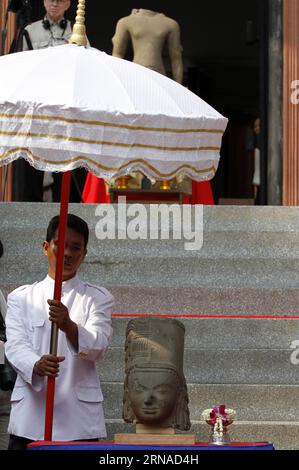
(78, 410)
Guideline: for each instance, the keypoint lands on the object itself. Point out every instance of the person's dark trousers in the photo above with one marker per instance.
(27, 182)
(18, 443)
(77, 185)
(257, 201)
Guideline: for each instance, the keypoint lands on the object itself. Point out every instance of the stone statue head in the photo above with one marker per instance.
(155, 391)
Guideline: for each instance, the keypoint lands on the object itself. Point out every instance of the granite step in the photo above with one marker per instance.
(225, 333)
(196, 301)
(251, 402)
(221, 366)
(244, 248)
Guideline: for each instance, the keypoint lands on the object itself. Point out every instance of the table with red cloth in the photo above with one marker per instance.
(95, 192)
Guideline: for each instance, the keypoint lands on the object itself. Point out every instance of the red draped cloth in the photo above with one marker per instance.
(95, 192)
(202, 193)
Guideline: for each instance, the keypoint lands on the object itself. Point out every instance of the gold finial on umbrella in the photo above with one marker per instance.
(79, 30)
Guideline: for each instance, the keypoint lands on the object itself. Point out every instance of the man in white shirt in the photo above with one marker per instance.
(84, 319)
(53, 29)
(4, 391)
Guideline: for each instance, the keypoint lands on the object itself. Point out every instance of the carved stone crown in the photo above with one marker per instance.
(155, 342)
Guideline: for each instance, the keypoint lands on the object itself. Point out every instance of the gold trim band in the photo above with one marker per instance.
(108, 124)
(111, 144)
(211, 169)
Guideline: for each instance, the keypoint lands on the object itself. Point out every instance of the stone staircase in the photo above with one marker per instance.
(248, 266)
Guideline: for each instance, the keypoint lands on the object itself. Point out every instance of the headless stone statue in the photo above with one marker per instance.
(155, 391)
(149, 31)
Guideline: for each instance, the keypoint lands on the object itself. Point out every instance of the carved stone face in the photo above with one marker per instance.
(153, 395)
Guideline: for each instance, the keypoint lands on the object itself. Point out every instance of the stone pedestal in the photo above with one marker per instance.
(155, 439)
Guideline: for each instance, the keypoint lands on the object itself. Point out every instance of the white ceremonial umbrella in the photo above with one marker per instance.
(67, 107)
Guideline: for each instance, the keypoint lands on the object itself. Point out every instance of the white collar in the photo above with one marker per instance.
(67, 286)
(52, 23)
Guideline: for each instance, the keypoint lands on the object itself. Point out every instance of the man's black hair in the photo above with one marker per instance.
(74, 222)
(1, 249)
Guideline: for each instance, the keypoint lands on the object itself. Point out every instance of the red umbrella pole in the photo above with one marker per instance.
(65, 192)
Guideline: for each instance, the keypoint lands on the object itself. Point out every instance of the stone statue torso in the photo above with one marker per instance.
(149, 31)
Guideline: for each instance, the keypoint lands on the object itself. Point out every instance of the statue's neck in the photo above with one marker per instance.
(145, 12)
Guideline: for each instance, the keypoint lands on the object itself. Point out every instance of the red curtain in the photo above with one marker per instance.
(95, 192)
